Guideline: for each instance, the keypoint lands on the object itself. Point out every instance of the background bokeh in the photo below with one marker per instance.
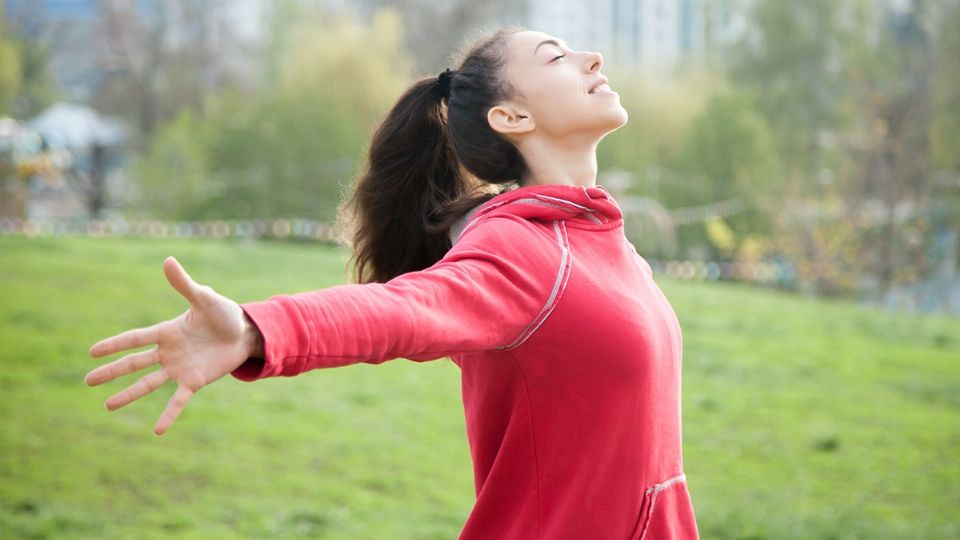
(791, 169)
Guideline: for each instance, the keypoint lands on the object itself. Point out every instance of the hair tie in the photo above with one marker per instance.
(443, 80)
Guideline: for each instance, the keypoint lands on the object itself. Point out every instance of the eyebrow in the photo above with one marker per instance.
(544, 42)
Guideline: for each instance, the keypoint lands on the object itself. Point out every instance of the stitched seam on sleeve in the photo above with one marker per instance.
(559, 285)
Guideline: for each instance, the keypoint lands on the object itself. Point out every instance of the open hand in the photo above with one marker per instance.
(211, 339)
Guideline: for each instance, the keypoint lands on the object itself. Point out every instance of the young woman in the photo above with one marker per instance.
(480, 235)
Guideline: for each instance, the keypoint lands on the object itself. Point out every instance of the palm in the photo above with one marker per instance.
(195, 349)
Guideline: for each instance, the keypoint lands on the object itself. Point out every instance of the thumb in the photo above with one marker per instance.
(181, 281)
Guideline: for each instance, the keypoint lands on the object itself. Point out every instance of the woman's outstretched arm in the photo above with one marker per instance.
(493, 289)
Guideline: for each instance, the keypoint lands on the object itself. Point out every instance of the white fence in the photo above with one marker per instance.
(768, 273)
(765, 273)
(300, 229)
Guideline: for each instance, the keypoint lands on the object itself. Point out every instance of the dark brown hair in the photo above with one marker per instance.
(430, 161)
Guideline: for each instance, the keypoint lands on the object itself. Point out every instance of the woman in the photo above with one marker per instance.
(508, 259)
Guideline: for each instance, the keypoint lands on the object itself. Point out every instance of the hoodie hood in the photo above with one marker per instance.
(588, 206)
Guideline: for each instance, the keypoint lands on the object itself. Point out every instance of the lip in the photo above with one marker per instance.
(597, 83)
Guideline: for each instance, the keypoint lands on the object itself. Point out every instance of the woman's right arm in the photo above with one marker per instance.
(491, 290)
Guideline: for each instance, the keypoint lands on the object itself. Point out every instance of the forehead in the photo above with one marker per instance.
(524, 43)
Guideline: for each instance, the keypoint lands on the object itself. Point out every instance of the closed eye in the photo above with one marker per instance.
(561, 56)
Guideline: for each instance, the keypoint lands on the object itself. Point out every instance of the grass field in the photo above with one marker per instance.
(803, 419)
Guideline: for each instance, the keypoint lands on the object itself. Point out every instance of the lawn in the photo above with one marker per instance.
(802, 418)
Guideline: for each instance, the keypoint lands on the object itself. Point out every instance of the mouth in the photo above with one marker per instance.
(601, 87)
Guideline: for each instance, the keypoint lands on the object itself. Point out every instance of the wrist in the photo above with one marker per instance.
(252, 338)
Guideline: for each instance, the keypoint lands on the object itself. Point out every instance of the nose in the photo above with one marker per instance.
(594, 62)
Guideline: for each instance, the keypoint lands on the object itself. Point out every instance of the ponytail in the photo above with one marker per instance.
(432, 159)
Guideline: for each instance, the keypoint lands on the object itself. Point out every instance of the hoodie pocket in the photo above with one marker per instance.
(666, 512)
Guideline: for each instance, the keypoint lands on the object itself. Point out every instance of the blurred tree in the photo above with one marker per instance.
(438, 27)
(895, 171)
(10, 73)
(296, 151)
(160, 57)
(729, 153)
(813, 70)
(362, 67)
(136, 58)
(291, 149)
(661, 114)
(37, 89)
(944, 20)
(173, 175)
(25, 84)
(862, 99)
(790, 62)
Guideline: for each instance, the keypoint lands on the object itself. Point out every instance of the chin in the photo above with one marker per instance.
(616, 121)
(595, 124)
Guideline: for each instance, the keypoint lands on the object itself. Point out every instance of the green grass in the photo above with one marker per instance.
(802, 418)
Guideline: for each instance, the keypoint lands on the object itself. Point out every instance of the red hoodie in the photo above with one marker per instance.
(570, 358)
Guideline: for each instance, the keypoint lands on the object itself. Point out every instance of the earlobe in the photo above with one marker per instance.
(506, 119)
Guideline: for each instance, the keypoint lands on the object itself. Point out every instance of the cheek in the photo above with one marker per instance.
(560, 103)
(559, 89)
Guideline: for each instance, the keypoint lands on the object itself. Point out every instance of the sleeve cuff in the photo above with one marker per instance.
(267, 317)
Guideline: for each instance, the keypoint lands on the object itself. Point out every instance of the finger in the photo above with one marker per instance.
(124, 366)
(131, 339)
(182, 282)
(148, 383)
(176, 404)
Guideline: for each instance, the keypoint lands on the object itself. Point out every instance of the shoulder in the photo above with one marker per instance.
(522, 265)
(522, 262)
(505, 230)
(457, 227)
(521, 248)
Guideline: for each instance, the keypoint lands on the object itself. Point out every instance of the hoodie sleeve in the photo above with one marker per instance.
(491, 290)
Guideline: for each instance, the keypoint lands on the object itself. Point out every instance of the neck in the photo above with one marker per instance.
(567, 161)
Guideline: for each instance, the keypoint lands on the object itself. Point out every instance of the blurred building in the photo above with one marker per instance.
(651, 34)
(67, 29)
(90, 40)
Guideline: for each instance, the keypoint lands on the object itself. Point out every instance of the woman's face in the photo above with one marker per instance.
(554, 85)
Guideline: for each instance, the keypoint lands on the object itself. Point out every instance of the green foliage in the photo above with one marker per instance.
(861, 102)
(10, 73)
(290, 150)
(25, 84)
(945, 129)
(661, 112)
(361, 68)
(729, 153)
(730, 146)
(792, 67)
(37, 88)
(173, 175)
(824, 112)
(279, 156)
(802, 419)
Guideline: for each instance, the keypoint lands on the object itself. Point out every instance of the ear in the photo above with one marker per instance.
(509, 119)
